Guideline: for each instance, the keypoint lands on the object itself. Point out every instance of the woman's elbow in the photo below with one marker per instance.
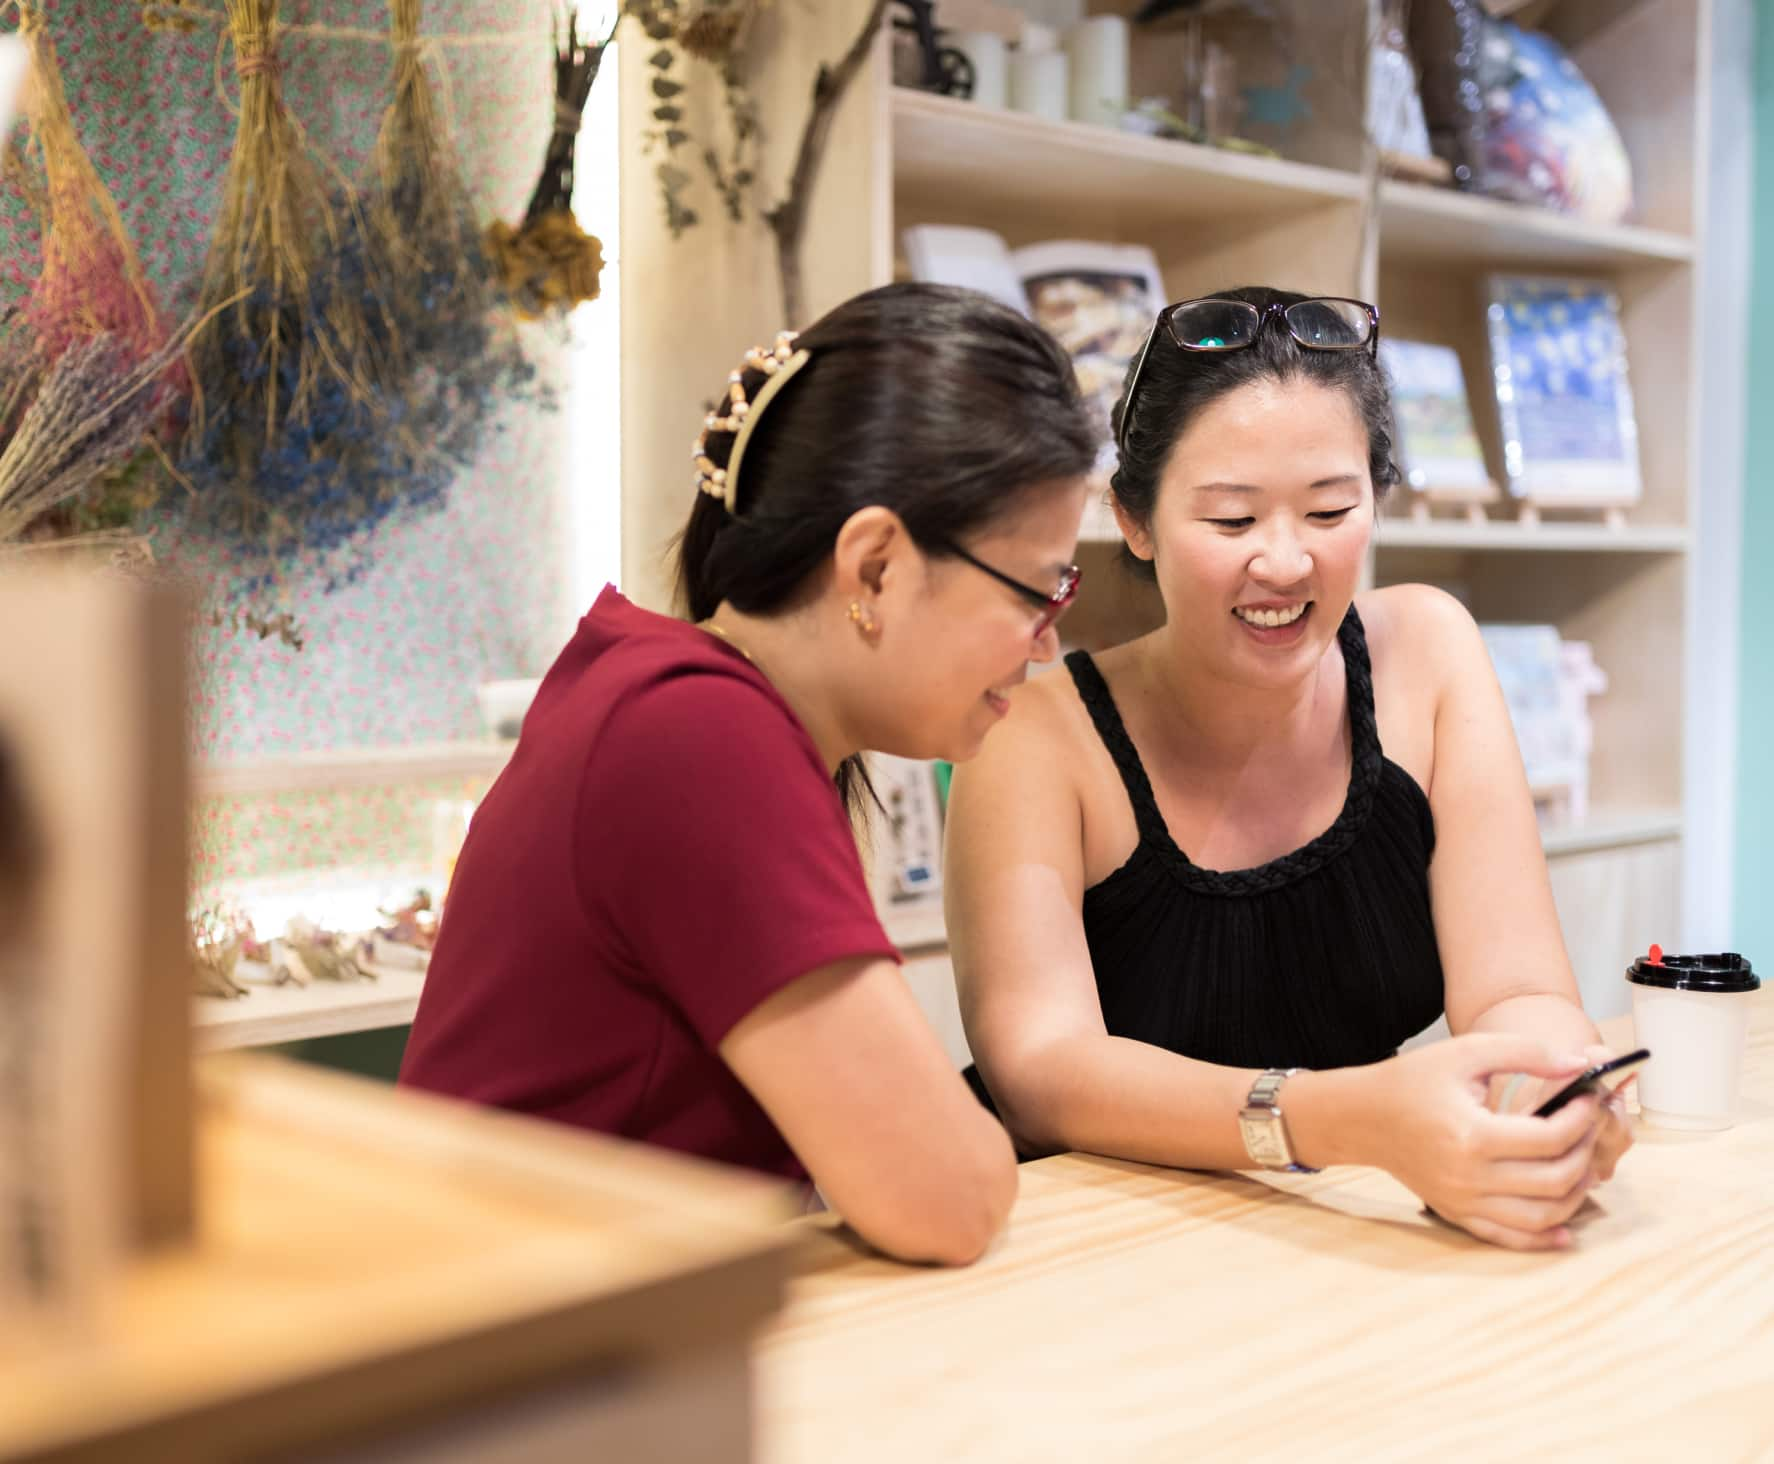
(955, 1209)
(1033, 1113)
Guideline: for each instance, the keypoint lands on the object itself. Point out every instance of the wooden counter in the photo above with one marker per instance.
(386, 1275)
(1134, 1313)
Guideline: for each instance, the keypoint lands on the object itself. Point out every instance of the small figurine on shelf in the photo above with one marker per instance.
(216, 951)
(324, 954)
(411, 932)
(286, 967)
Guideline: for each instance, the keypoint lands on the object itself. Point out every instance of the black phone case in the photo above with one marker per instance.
(1588, 1082)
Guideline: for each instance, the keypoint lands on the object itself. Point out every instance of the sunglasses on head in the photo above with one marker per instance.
(1324, 323)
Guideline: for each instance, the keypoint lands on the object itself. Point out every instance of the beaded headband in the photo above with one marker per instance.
(738, 416)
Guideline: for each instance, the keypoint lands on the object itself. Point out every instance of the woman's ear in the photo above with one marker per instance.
(869, 552)
(1137, 533)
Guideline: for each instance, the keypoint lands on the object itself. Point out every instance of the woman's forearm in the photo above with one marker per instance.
(1131, 1100)
(1547, 1015)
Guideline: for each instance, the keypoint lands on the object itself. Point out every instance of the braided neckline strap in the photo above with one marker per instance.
(1367, 761)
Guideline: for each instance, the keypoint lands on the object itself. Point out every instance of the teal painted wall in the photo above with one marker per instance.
(1753, 907)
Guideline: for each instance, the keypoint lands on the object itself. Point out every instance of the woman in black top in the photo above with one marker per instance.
(1286, 830)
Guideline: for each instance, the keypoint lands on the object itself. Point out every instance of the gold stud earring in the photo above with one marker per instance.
(861, 618)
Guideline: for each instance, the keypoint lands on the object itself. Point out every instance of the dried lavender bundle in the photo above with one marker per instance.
(299, 443)
(66, 423)
(460, 357)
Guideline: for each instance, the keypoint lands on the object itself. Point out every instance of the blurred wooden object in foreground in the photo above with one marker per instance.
(95, 1046)
(348, 1271)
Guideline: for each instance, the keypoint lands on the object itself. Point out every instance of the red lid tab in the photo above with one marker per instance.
(1656, 956)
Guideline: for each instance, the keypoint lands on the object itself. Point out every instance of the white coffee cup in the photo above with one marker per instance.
(1692, 1012)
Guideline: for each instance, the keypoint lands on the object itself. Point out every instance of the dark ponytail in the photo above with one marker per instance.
(937, 403)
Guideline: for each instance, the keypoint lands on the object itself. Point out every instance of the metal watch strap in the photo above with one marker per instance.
(1263, 1095)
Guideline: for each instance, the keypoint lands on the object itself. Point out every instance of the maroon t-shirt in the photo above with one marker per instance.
(663, 852)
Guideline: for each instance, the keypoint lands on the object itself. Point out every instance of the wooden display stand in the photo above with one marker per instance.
(95, 1158)
(1471, 504)
(349, 1271)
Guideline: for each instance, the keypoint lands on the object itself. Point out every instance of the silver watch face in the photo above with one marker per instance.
(1264, 1140)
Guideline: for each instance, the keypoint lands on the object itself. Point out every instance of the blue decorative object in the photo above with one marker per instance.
(1548, 140)
(1558, 355)
(1282, 107)
(1514, 117)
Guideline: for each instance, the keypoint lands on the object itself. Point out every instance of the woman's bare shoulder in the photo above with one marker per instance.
(1417, 629)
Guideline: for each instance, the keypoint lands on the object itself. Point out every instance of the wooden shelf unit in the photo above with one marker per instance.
(1215, 218)
(1550, 536)
(268, 1015)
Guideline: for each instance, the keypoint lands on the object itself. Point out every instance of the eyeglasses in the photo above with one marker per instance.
(1053, 604)
(1327, 323)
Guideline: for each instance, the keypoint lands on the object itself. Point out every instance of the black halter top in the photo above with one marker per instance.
(1325, 957)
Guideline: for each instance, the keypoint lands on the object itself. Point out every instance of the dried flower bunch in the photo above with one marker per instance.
(90, 311)
(298, 441)
(68, 422)
(461, 358)
(548, 263)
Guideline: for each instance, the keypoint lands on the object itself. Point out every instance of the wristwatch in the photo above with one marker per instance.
(1264, 1129)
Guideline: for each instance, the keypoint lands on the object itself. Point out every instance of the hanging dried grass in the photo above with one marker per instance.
(92, 281)
(299, 443)
(461, 357)
(91, 286)
(69, 421)
(548, 263)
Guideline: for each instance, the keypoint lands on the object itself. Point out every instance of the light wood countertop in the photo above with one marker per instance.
(1141, 1313)
(369, 1258)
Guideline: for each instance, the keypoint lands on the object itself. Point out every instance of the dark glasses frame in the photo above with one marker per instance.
(1263, 314)
(1053, 603)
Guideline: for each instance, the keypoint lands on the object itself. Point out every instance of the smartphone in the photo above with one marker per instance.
(1606, 1078)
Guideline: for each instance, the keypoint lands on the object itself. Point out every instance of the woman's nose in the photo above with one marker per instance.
(1281, 559)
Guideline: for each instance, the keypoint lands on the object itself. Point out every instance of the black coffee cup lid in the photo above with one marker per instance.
(1726, 971)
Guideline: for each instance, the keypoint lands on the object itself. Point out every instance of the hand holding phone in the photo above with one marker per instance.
(1608, 1077)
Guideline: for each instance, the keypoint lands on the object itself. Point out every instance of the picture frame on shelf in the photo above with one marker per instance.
(1547, 683)
(1564, 395)
(1434, 439)
(906, 863)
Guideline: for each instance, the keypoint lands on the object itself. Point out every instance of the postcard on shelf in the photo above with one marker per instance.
(1547, 683)
(1558, 355)
(1436, 445)
(1098, 300)
(907, 858)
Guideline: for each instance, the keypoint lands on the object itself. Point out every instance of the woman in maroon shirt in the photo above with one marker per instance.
(659, 925)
